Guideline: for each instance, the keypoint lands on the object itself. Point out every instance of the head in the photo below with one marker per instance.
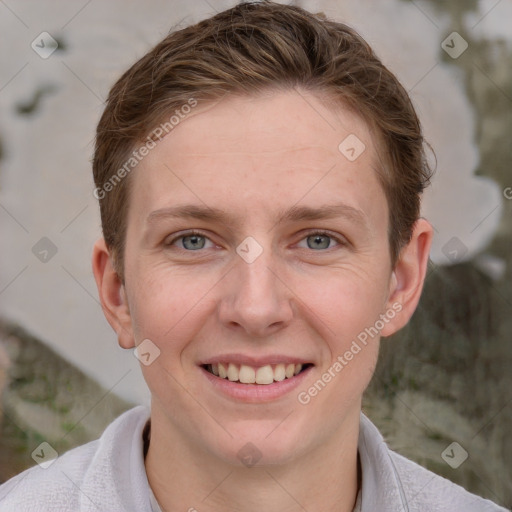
(298, 160)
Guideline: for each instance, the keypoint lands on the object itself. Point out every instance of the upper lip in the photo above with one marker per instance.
(253, 360)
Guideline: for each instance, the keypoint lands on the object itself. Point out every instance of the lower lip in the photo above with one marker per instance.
(256, 393)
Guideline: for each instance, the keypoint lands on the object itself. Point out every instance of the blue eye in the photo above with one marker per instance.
(191, 242)
(316, 240)
(319, 240)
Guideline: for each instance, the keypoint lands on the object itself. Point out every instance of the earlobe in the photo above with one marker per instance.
(408, 276)
(112, 294)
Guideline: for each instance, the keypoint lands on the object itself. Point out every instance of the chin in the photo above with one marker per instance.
(260, 443)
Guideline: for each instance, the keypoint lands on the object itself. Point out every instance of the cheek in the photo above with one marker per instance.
(171, 307)
(158, 301)
(348, 311)
(347, 302)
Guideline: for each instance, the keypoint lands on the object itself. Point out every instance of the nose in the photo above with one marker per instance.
(256, 299)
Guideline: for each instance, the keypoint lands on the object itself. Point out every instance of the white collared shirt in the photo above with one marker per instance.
(109, 475)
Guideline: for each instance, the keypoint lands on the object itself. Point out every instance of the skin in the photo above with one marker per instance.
(256, 157)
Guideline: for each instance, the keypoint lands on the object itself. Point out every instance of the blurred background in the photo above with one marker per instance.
(446, 378)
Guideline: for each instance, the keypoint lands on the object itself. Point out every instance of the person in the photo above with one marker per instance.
(259, 177)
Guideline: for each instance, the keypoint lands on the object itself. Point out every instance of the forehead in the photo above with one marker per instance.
(269, 123)
(261, 152)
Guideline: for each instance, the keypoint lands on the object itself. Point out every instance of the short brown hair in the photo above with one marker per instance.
(247, 49)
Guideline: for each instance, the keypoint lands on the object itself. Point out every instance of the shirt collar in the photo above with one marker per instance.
(381, 487)
(369, 440)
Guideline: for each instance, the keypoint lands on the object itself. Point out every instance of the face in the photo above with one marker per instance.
(254, 245)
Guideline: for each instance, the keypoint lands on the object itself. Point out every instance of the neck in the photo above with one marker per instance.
(184, 477)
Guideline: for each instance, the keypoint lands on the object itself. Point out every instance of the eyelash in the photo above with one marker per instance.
(306, 235)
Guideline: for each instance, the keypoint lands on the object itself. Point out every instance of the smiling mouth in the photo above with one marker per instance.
(245, 374)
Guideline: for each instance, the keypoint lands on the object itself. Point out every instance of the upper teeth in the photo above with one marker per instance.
(249, 375)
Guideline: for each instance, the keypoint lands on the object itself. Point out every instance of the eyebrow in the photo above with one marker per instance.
(293, 214)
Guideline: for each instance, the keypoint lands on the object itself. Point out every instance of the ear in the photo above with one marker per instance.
(408, 276)
(112, 294)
